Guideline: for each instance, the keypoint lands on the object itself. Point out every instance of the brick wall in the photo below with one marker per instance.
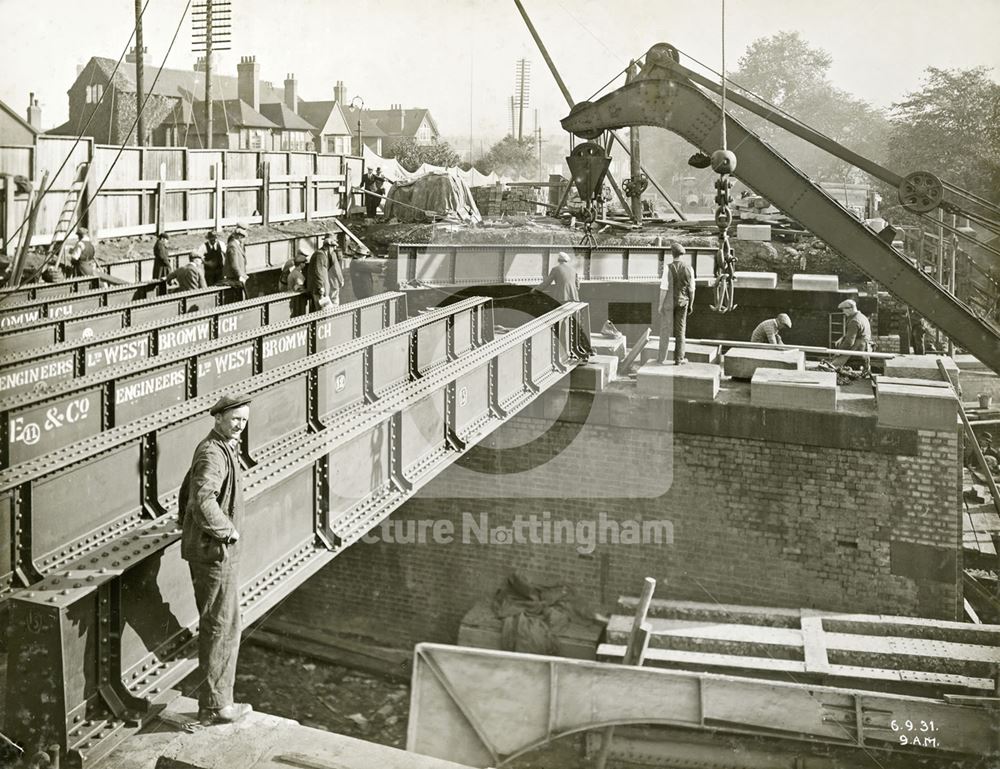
(781, 508)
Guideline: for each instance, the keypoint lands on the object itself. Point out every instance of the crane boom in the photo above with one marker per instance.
(662, 96)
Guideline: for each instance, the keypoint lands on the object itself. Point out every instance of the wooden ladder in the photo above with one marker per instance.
(67, 216)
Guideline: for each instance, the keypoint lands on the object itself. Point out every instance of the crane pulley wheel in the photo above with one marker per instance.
(921, 192)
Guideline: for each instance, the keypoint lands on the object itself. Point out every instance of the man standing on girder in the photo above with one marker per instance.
(325, 274)
(211, 516)
(675, 304)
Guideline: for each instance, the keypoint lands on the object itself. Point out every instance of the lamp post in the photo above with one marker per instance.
(359, 106)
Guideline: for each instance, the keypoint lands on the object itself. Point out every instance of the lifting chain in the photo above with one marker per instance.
(588, 216)
(635, 185)
(724, 163)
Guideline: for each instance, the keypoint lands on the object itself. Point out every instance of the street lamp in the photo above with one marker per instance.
(359, 106)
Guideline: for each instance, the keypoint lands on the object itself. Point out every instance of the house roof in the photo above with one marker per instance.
(282, 115)
(324, 113)
(412, 117)
(183, 83)
(17, 118)
(228, 112)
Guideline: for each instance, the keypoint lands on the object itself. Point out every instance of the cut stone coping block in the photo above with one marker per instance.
(802, 282)
(922, 405)
(753, 231)
(756, 279)
(596, 374)
(692, 381)
(695, 353)
(742, 362)
(921, 367)
(609, 345)
(794, 389)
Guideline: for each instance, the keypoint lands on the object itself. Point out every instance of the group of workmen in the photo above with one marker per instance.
(208, 265)
(676, 302)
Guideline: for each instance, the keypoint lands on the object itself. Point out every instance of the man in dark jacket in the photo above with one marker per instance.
(161, 257)
(325, 275)
(211, 519)
(214, 257)
(234, 270)
(676, 302)
(189, 276)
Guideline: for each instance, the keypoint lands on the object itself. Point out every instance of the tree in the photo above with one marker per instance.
(412, 155)
(951, 127)
(794, 76)
(510, 157)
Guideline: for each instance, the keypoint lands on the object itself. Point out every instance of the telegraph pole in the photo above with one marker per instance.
(523, 84)
(211, 26)
(140, 131)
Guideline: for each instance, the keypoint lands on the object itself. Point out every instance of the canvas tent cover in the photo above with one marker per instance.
(444, 192)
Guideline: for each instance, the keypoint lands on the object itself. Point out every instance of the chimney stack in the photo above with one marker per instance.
(248, 81)
(340, 93)
(292, 93)
(201, 64)
(34, 113)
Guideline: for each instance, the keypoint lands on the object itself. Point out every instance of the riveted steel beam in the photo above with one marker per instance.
(42, 422)
(54, 688)
(420, 265)
(457, 712)
(138, 467)
(43, 367)
(14, 314)
(32, 291)
(110, 319)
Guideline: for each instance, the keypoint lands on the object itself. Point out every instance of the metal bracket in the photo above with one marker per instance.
(493, 379)
(123, 704)
(396, 454)
(451, 418)
(149, 495)
(21, 550)
(529, 383)
(321, 501)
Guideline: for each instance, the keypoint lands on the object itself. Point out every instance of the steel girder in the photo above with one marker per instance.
(47, 362)
(484, 708)
(38, 423)
(433, 264)
(95, 646)
(32, 291)
(110, 319)
(14, 313)
(664, 98)
(138, 467)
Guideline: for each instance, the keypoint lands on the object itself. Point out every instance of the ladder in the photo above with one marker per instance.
(838, 325)
(67, 217)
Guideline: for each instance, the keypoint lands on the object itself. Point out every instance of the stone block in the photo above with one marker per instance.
(920, 406)
(596, 374)
(785, 388)
(692, 381)
(922, 367)
(756, 279)
(753, 231)
(609, 345)
(801, 282)
(695, 353)
(741, 363)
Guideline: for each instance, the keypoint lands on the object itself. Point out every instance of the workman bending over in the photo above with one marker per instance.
(769, 331)
(857, 336)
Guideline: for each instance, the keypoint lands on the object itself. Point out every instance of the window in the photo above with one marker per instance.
(93, 93)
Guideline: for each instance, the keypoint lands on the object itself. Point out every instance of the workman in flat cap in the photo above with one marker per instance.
(857, 336)
(325, 274)
(211, 518)
(234, 267)
(769, 331)
(215, 256)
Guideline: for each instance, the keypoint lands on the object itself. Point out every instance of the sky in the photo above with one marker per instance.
(458, 57)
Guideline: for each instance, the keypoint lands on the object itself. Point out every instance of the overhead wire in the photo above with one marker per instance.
(90, 118)
(128, 134)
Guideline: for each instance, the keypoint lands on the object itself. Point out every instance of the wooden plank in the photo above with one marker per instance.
(814, 645)
(697, 630)
(616, 652)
